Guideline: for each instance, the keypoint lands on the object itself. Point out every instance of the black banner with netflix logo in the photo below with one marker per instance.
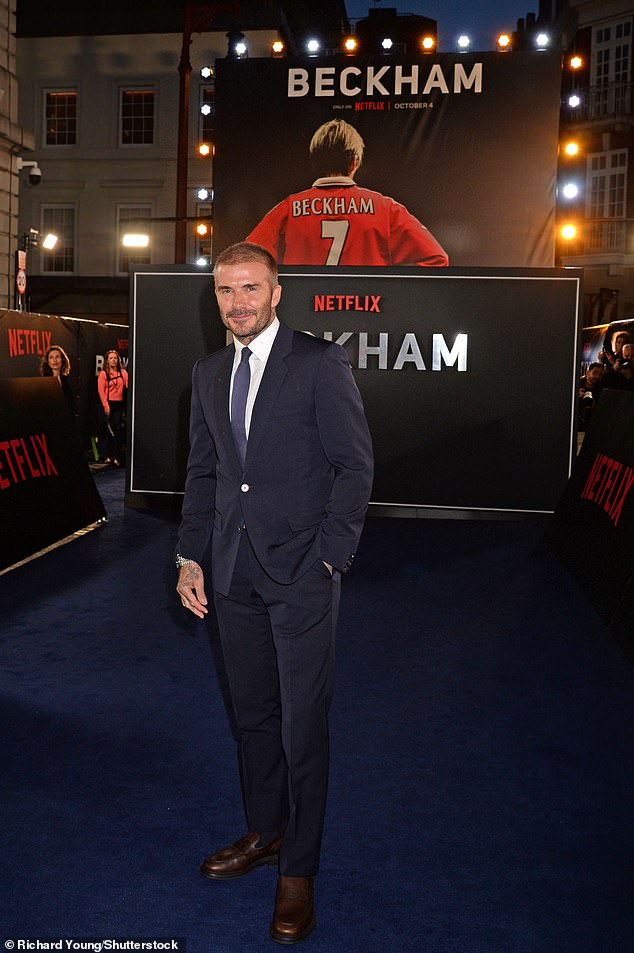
(593, 526)
(25, 339)
(46, 489)
(467, 412)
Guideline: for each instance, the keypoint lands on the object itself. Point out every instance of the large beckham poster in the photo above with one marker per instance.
(339, 162)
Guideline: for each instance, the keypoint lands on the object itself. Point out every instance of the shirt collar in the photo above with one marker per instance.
(329, 181)
(262, 344)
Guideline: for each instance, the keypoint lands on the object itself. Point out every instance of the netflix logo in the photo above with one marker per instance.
(608, 485)
(25, 458)
(370, 304)
(27, 341)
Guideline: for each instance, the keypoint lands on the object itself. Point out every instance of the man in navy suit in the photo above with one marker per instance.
(278, 478)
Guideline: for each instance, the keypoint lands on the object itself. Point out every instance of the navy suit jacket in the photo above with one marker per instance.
(303, 493)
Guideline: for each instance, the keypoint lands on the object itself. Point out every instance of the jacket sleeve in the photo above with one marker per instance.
(346, 441)
(200, 485)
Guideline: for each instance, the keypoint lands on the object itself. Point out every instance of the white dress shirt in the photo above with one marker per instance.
(260, 348)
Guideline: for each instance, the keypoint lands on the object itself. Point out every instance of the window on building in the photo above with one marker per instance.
(133, 218)
(60, 117)
(606, 191)
(137, 117)
(207, 124)
(611, 69)
(59, 219)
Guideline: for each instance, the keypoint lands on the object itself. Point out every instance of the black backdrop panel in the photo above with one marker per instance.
(593, 527)
(25, 338)
(468, 378)
(173, 323)
(46, 489)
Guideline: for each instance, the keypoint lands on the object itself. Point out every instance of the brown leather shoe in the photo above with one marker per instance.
(294, 914)
(241, 858)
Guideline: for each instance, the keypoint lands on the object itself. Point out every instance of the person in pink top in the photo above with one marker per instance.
(111, 383)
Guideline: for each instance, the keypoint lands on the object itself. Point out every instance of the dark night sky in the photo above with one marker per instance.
(481, 19)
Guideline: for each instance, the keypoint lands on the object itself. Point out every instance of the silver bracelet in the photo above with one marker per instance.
(183, 561)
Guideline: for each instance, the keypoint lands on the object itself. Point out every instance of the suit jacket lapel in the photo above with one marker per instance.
(272, 379)
(222, 382)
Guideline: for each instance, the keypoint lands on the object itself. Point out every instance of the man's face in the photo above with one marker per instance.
(594, 375)
(628, 352)
(246, 298)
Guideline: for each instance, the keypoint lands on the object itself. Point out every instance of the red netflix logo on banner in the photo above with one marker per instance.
(25, 458)
(608, 485)
(28, 341)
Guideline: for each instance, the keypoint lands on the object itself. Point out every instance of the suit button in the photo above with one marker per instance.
(245, 487)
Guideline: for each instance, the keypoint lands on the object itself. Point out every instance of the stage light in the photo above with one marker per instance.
(50, 241)
(205, 109)
(503, 42)
(202, 229)
(278, 47)
(542, 41)
(206, 72)
(570, 190)
(387, 43)
(350, 44)
(313, 46)
(571, 148)
(464, 42)
(428, 43)
(204, 149)
(568, 231)
(236, 43)
(574, 100)
(203, 194)
(135, 240)
(576, 62)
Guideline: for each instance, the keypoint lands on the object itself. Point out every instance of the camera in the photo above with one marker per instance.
(35, 173)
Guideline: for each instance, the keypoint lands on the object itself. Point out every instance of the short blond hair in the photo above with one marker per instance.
(335, 146)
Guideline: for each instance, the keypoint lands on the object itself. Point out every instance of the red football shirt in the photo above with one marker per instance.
(338, 223)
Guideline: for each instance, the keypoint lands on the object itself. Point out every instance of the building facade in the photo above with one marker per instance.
(14, 139)
(598, 118)
(104, 111)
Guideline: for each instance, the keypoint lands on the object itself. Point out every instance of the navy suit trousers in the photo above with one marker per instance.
(278, 646)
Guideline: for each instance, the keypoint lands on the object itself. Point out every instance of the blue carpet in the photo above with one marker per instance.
(481, 790)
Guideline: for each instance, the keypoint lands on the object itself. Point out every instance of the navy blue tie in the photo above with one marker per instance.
(239, 394)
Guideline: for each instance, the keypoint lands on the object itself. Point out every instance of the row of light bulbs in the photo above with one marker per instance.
(569, 190)
(351, 44)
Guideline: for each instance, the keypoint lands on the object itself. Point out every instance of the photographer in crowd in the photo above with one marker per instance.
(619, 376)
(589, 387)
(613, 350)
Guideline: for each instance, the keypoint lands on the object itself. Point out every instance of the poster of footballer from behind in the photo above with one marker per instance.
(448, 160)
